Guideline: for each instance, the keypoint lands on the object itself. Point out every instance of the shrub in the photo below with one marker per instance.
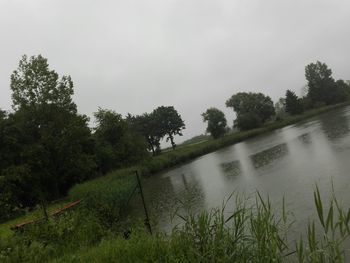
(248, 121)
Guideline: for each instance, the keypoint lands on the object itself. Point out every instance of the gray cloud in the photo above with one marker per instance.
(132, 56)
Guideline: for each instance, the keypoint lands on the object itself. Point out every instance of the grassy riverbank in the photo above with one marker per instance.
(251, 233)
(254, 232)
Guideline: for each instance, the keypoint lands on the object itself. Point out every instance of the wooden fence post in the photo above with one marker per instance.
(147, 222)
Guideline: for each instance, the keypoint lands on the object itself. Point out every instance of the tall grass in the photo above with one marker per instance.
(327, 242)
(252, 232)
(106, 197)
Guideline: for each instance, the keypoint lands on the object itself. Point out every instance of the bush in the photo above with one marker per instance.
(248, 121)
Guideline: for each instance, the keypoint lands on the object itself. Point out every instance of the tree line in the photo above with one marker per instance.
(254, 109)
(46, 145)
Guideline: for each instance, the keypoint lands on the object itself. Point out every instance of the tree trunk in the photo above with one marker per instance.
(43, 206)
(153, 151)
(152, 147)
(158, 150)
(172, 141)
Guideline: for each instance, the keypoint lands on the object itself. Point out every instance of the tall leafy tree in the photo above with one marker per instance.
(170, 122)
(216, 122)
(322, 88)
(47, 145)
(293, 103)
(320, 82)
(252, 109)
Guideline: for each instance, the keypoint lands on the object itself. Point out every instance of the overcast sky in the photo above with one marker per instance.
(132, 56)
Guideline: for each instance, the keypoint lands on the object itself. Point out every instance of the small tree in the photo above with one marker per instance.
(251, 107)
(169, 122)
(293, 103)
(216, 122)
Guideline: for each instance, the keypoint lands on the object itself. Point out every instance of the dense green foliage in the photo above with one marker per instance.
(252, 109)
(162, 122)
(342, 90)
(147, 126)
(320, 82)
(117, 143)
(322, 88)
(46, 145)
(33, 84)
(216, 122)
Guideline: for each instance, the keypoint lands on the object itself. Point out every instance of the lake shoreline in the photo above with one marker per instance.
(187, 153)
(105, 199)
(170, 160)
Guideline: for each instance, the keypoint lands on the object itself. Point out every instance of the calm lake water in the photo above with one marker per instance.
(288, 163)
